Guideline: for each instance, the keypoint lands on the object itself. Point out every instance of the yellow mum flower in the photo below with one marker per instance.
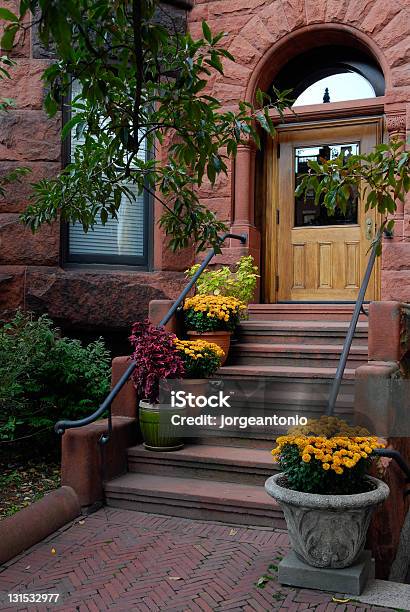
(306, 457)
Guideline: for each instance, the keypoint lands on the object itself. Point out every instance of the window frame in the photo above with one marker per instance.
(99, 260)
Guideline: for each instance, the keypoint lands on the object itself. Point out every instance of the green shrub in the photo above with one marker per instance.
(239, 283)
(45, 377)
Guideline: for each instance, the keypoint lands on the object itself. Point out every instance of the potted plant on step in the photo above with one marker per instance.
(239, 283)
(157, 358)
(325, 491)
(201, 360)
(213, 318)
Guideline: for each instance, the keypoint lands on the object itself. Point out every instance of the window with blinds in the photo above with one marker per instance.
(121, 241)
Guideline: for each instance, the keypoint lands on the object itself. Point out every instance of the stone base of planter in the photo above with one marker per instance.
(353, 579)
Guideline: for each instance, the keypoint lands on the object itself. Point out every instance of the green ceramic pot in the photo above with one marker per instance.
(157, 436)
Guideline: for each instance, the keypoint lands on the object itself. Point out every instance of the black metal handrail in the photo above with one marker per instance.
(391, 453)
(61, 426)
(337, 381)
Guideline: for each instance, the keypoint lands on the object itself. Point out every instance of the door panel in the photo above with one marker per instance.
(320, 257)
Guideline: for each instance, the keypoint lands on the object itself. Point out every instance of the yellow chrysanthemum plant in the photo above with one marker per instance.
(201, 359)
(326, 456)
(208, 313)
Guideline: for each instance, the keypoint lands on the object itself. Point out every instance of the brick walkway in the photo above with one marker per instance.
(125, 561)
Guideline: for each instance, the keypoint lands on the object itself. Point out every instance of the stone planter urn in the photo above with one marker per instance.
(327, 531)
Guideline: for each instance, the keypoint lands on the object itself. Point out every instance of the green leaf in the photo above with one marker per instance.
(206, 32)
(7, 40)
(68, 126)
(7, 15)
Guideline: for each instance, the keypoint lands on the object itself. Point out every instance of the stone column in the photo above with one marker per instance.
(243, 221)
(396, 127)
(244, 189)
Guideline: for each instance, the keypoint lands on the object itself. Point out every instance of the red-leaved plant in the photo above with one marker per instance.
(156, 356)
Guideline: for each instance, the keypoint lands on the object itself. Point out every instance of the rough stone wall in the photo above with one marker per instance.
(31, 271)
(32, 274)
(252, 27)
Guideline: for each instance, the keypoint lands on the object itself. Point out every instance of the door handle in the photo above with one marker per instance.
(369, 228)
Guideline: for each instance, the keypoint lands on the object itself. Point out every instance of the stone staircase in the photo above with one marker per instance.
(296, 347)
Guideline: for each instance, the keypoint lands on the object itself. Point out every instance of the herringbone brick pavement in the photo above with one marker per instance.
(123, 561)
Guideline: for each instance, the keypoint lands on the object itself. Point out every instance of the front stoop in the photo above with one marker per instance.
(221, 477)
(202, 481)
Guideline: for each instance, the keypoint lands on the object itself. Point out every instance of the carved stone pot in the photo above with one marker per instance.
(327, 530)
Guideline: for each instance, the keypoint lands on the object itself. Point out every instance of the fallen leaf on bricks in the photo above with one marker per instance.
(340, 600)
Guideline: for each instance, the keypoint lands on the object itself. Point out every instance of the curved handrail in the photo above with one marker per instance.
(61, 426)
(398, 458)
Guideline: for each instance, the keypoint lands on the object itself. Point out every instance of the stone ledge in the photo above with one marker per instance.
(393, 595)
(34, 523)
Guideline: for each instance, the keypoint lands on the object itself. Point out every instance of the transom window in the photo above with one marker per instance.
(331, 73)
(337, 88)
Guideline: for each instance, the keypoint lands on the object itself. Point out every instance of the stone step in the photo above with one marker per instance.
(211, 462)
(282, 372)
(300, 332)
(287, 391)
(240, 504)
(304, 312)
(310, 355)
(239, 440)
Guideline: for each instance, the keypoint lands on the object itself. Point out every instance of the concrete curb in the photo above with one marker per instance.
(34, 523)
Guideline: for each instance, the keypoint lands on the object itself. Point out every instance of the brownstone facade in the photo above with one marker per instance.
(263, 35)
(33, 274)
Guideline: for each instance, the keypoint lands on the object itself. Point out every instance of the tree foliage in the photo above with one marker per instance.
(140, 84)
(383, 176)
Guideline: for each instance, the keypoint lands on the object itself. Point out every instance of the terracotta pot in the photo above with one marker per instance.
(221, 338)
(327, 530)
(157, 436)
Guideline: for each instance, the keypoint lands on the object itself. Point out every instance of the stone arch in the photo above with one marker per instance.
(306, 38)
(262, 34)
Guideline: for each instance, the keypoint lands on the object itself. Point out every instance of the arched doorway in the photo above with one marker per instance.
(306, 254)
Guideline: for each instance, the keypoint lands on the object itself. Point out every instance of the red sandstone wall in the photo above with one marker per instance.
(253, 27)
(30, 268)
(31, 272)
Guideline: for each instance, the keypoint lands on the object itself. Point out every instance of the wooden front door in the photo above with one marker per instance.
(321, 257)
